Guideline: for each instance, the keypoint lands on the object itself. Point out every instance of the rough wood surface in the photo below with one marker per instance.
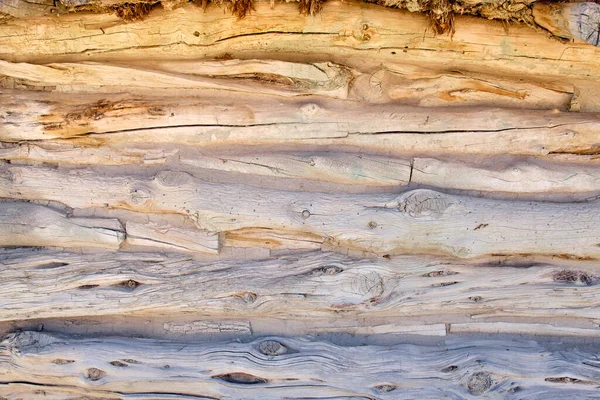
(577, 20)
(404, 83)
(214, 121)
(342, 31)
(418, 221)
(308, 287)
(26, 224)
(172, 171)
(171, 238)
(38, 364)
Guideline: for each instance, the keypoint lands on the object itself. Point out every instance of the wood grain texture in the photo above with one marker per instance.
(275, 368)
(26, 224)
(171, 238)
(349, 169)
(214, 121)
(341, 30)
(523, 176)
(273, 77)
(398, 83)
(418, 221)
(309, 287)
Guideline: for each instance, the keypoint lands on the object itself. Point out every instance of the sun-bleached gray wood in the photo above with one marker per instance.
(28, 224)
(42, 283)
(39, 364)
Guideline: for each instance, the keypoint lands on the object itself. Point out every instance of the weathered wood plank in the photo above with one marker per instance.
(172, 238)
(400, 83)
(27, 224)
(275, 368)
(342, 30)
(418, 221)
(349, 169)
(308, 287)
(524, 176)
(273, 77)
(215, 121)
(54, 152)
(430, 87)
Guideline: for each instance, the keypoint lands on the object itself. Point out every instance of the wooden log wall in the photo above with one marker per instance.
(334, 200)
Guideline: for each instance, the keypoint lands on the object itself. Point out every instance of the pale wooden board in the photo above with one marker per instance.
(214, 121)
(272, 77)
(275, 368)
(341, 30)
(173, 238)
(26, 224)
(307, 287)
(418, 221)
(400, 83)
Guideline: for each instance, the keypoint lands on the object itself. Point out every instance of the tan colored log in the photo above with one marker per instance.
(577, 20)
(252, 76)
(379, 34)
(522, 177)
(415, 221)
(308, 287)
(213, 122)
(172, 238)
(403, 83)
(26, 224)
(269, 369)
(55, 152)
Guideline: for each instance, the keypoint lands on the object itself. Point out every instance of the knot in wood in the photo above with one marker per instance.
(372, 224)
(248, 297)
(479, 382)
(271, 348)
(327, 270)
(139, 196)
(384, 388)
(423, 203)
(95, 374)
(309, 110)
(305, 214)
(172, 178)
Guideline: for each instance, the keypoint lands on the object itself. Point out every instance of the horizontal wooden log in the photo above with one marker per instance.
(416, 221)
(400, 83)
(403, 36)
(27, 224)
(214, 122)
(336, 171)
(311, 287)
(275, 368)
